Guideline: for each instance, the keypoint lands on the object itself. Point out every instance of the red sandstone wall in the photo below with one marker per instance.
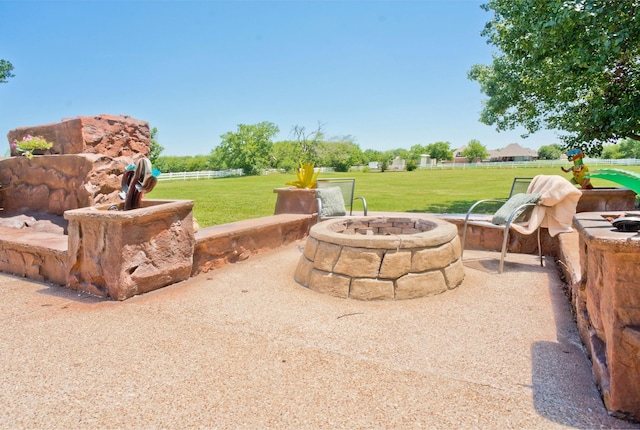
(111, 135)
(53, 184)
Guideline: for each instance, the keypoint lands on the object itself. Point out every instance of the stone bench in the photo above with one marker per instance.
(36, 255)
(227, 243)
(43, 256)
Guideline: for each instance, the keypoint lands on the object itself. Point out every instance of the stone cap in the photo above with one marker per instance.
(439, 231)
(601, 234)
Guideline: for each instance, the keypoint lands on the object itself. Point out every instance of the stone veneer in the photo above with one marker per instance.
(83, 168)
(607, 305)
(119, 254)
(381, 258)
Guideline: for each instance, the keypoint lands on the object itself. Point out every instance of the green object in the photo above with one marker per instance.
(502, 215)
(332, 201)
(625, 178)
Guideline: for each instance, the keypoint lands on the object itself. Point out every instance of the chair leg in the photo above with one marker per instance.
(464, 236)
(504, 249)
(539, 248)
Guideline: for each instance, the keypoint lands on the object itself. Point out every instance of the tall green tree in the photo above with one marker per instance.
(340, 153)
(550, 152)
(5, 71)
(475, 151)
(156, 149)
(249, 148)
(629, 148)
(568, 65)
(611, 152)
(286, 154)
(439, 151)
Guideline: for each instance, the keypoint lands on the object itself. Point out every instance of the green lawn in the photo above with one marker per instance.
(219, 201)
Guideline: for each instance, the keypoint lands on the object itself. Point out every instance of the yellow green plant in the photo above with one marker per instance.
(29, 143)
(307, 176)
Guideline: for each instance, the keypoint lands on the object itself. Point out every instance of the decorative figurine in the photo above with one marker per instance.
(579, 169)
(138, 178)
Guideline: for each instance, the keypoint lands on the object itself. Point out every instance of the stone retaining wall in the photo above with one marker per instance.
(54, 184)
(606, 300)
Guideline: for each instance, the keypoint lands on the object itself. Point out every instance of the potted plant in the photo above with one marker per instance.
(30, 145)
(301, 199)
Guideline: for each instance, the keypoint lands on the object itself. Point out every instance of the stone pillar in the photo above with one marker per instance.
(119, 254)
(607, 307)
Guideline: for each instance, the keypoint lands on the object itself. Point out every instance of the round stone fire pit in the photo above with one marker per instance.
(381, 258)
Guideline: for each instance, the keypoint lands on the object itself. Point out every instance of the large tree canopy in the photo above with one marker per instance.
(569, 65)
(5, 70)
(249, 148)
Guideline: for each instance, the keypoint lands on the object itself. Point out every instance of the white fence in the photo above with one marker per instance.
(591, 162)
(204, 174)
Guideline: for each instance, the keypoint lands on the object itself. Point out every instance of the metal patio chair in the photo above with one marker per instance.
(336, 197)
(515, 208)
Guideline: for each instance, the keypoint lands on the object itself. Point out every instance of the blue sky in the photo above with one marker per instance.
(392, 74)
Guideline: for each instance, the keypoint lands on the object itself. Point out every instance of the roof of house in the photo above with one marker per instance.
(514, 150)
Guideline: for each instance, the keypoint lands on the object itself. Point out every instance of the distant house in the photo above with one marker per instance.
(458, 157)
(513, 152)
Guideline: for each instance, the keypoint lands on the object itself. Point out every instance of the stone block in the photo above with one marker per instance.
(303, 271)
(329, 283)
(395, 264)
(310, 248)
(454, 274)
(358, 262)
(371, 289)
(420, 285)
(326, 256)
(432, 258)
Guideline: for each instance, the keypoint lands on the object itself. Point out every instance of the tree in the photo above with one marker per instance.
(340, 153)
(629, 148)
(550, 152)
(572, 66)
(5, 71)
(308, 141)
(475, 151)
(286, 154)
(611, 152)
(439, 151)
(156, 149)
(249, 148)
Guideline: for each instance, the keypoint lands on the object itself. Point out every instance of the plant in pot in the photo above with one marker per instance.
(31, 144)
(302, 197)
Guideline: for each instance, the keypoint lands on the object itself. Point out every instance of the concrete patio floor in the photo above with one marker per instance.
(244, 346)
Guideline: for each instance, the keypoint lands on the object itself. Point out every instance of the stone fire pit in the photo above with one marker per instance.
(381, 258)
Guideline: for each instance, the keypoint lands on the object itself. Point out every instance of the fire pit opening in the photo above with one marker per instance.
(381, 258)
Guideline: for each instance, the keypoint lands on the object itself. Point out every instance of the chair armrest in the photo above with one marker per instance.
(480, 202)
(364, 204)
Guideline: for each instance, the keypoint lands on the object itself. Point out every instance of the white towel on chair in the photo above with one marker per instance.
(559, 201)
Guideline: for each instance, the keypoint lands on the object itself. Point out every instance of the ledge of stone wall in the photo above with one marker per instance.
(38, 255)
(227, 243)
